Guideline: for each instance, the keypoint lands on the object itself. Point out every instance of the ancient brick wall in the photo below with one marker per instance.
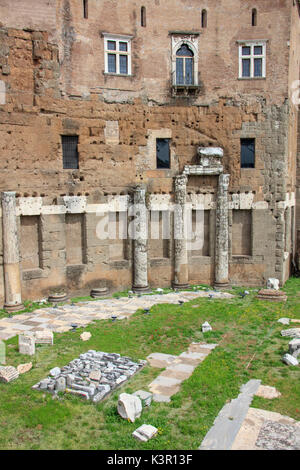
(53, 84)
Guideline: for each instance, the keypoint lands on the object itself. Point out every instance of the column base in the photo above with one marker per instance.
(141, 290)
(13, 308)
(222, 285)
(181, 286)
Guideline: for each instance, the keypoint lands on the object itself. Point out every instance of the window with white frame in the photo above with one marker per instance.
(117, 54)
(252, 59)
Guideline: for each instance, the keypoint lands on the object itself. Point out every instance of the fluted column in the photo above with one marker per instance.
(11, 261)
(140, 242)
(221, 248)
(181, 273)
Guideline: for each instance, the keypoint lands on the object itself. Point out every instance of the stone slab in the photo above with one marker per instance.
(228, 422)
(192, 358)
(145, 432)
(167, 386)
(161, 360)
(178, 371)
(265, 391)
(259, 433)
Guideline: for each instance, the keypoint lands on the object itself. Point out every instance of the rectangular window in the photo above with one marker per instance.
(252, 60)
(70, 151)
(162, 153)
(117, 51)
(247, 153)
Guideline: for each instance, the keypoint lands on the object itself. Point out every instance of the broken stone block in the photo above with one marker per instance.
(290, 360)
(55, 371)
(206, 327)
(79, 393)
(60, 384)
(8, 374)
(129, 407)
(146, 397)
(292, 332)
(105, 389)
(26, 345)
(95, 375)
(85, 336)
(22, 368)
(273, 283)
(284, 321)
(145, 432)
(294, 345)
(44, 337)
(266, 391)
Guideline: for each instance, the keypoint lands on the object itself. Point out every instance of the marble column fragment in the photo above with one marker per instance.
(221, 248)
(140, 242)
(180, 235)
(11, 261)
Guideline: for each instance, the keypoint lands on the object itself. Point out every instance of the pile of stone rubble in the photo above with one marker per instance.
(92, 376)
(291, 358)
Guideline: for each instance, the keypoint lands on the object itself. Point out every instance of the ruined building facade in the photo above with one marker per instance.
(161, 103)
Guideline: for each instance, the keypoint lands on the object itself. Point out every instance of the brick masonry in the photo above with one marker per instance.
(53, 83)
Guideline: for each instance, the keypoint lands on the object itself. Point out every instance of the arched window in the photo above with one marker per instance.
(184, 66)
(85, 8)
(254, 17)
(143, 16)
(204, 19)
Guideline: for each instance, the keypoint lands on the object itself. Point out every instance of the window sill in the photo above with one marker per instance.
(252, 78)
(111, 74)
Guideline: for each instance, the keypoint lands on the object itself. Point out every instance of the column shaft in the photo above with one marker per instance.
(181, 272)
(140, 242)
(221, 249)
(11, 262)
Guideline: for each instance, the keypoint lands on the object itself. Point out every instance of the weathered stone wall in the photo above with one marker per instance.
(52, 84)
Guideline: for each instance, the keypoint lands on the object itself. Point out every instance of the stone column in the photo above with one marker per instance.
(181, 273)
(11, 262)
(140, 242)
(221, 247)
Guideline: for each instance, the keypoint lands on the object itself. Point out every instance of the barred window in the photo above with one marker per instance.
(70, 151)
(247, 153)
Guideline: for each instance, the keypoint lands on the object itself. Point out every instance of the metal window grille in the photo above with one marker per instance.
(70, 151)
(247, 153)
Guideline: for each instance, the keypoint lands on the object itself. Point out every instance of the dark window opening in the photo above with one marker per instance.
(70, 151)
(85, 9)
(204, 19)
(163, 153)
(143, 16)
(254, 17)
(184, 66)
(247, 153)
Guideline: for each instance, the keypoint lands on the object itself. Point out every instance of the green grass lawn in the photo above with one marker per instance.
(250, 346)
